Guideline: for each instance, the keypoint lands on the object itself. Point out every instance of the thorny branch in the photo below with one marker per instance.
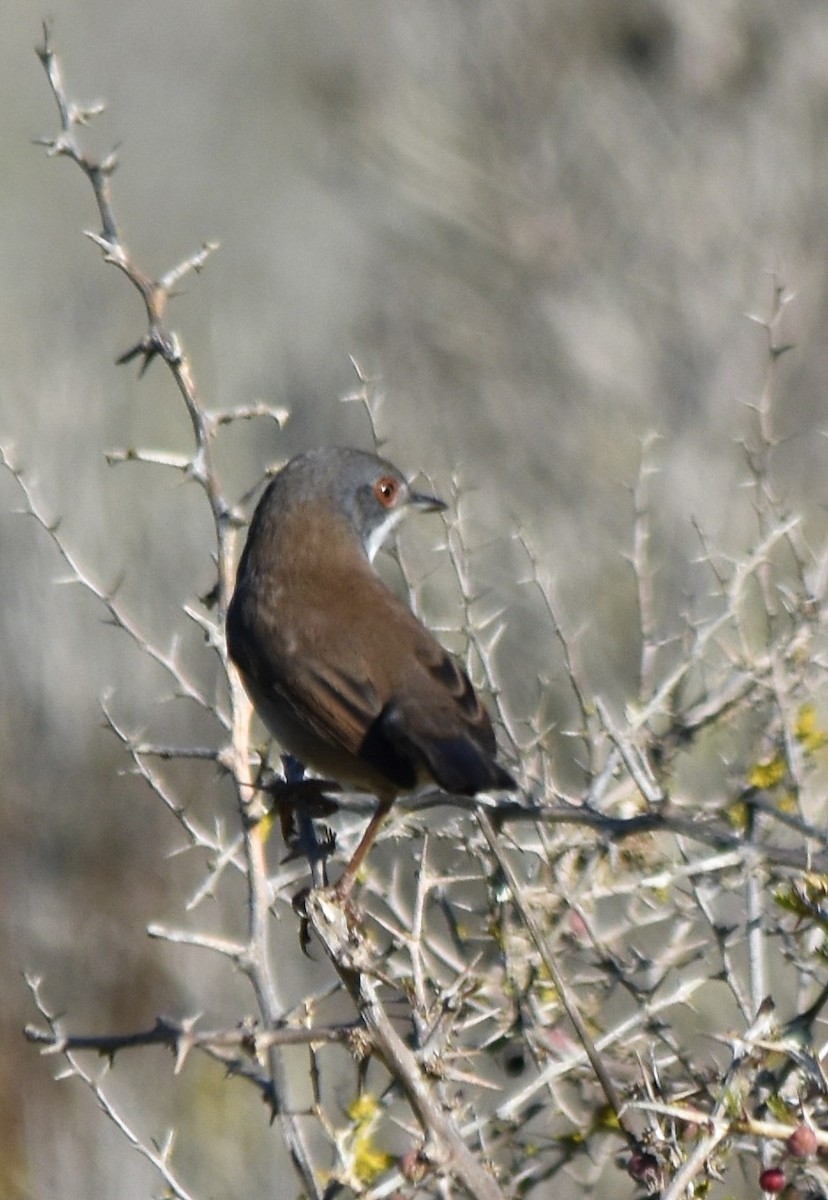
(162, 342)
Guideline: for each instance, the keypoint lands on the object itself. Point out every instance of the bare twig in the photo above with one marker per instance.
(159, 341)
(444, 1146)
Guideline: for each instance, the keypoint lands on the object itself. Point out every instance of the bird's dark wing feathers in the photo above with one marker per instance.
(338, 705)
(456, 682)
(457, 762)
(388, 754)
(446, 729)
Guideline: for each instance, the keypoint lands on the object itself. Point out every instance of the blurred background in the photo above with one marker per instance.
(537, 227)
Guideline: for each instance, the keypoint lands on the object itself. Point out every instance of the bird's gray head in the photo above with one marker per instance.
(370, 492)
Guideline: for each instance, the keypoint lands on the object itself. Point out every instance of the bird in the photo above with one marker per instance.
(343, 674)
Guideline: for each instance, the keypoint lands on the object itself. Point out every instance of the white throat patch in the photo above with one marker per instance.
(378, 535)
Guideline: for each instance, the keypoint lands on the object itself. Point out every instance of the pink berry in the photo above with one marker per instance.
(413, 1166)
(803, 1142)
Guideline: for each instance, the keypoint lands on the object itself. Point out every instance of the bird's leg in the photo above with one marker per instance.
(346, 882)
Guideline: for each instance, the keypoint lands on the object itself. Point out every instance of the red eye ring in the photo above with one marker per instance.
(386, 490)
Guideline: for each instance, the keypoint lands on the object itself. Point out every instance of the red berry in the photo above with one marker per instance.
(413, 1166)
(803, 1142)
(772, 1179)
(643, 1167)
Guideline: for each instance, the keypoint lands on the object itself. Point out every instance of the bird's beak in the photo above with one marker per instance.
(424, 503)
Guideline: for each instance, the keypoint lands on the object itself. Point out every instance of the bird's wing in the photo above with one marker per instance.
(338, 703)
(438, 719)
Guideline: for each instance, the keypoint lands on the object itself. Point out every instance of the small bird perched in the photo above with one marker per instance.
(340, 670)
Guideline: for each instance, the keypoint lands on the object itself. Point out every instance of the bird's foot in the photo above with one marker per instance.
(336, 923)
(310, 902)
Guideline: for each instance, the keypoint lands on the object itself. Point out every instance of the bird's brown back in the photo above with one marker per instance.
(390, 695)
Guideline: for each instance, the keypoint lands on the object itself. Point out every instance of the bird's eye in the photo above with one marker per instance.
(386, 490)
